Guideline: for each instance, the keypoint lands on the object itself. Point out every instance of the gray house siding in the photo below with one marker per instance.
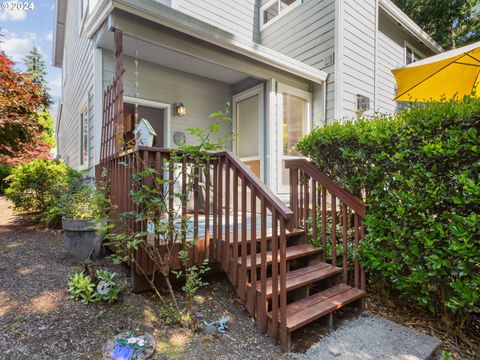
(201, 96)
(390, 55)
(240, 18)
(78, 80)
(358, 54)
(307, 34)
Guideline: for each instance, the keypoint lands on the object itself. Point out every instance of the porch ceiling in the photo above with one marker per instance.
(173, 59)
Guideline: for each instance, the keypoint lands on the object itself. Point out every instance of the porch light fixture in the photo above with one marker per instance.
(180, 109)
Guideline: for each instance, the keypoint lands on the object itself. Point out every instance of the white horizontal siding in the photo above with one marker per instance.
(307, 34)
(78, 82)
(390, 55)
(240, 18)
(358, 54)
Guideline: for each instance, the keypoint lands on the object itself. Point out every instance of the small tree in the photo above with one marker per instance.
(35, 67)
(20, 99)
(166, 226)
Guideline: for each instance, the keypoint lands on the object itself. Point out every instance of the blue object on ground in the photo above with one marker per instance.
(122, 352)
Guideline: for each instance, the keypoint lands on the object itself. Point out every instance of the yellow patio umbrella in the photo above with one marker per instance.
(440, 77)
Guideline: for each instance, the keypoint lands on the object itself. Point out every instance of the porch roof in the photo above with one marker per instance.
(166, 16)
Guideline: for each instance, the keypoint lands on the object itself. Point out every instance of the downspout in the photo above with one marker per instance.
(325, 101)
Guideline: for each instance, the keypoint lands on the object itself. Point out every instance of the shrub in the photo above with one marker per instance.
(35, 186)
(4, 172)
(420, 174)
(84, 204)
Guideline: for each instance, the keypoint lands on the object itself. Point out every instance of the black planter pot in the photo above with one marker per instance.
(83, 238)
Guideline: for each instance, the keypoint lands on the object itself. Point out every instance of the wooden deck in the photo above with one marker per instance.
(269, 261)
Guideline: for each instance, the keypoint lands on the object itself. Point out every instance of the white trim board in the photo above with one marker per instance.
(255, 90)
(156, 105)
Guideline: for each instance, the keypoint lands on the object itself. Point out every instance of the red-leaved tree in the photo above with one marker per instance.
(21, 136)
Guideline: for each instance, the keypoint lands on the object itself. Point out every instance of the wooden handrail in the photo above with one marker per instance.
(311, 170)
(252, 179)
(269, 196)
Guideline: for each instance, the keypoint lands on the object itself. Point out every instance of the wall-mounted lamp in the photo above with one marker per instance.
(180, 109)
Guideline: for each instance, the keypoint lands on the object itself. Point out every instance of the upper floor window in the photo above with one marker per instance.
(272, 10)
(412, 54)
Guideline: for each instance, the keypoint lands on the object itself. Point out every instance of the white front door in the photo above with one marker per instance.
(248, 128)
(293, 122)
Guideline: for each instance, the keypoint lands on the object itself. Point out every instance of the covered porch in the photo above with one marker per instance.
(272, 104)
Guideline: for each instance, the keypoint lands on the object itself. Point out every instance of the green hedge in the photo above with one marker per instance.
(419, 172)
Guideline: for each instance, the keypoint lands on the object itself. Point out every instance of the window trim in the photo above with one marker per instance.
(84, 111)
(281, 13)
(406, 45)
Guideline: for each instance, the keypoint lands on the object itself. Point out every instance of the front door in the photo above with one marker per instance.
(248, 128)
(293, 117)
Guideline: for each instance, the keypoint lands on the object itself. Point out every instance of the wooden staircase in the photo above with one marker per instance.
(285, 281)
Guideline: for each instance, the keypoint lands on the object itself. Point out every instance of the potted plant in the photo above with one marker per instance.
(83, 220)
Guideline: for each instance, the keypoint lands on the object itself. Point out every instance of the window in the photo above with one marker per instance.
(84, 134)
(411, 54)
(274, 9)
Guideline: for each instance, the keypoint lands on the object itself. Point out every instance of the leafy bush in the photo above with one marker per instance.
(104, 287)
(36, 185)
(4, 172)
(84, 204)
(419, 172)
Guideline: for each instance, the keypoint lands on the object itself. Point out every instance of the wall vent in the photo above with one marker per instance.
(363, 103)
(329, 60)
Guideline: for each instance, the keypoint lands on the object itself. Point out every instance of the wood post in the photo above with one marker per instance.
(119, 70)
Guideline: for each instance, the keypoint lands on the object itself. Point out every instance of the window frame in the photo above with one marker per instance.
(414, 49)
(84, 125)
(281, 13)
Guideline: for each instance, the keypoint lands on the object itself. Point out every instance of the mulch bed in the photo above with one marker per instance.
(39, 321)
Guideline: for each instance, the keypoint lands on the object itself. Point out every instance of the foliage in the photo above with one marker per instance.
(83, 204)
(81, 287)
(35, 67)
(419, 172)
(104, 287)
(107, 288)
(192, 274)
(4, 172)
(451, 23)
(170, 315)
(46, 122)
(20, 99)
(150, 192)
(36, 185)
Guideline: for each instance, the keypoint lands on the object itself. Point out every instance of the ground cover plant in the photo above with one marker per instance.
(419, 174)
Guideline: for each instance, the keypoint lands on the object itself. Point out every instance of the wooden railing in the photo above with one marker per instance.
(331, 216)
(239, 218)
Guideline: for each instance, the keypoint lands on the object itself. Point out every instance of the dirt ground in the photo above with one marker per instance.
(39, 321)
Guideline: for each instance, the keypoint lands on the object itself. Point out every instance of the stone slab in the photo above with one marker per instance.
(373, 338)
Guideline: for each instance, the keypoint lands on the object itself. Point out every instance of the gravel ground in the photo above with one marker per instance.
(39, 321)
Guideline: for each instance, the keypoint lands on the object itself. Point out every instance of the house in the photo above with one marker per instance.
(285, 66)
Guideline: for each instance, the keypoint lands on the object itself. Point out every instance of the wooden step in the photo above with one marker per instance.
(320, 304)
(293, 252)
(294, 232)
(303, 276)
